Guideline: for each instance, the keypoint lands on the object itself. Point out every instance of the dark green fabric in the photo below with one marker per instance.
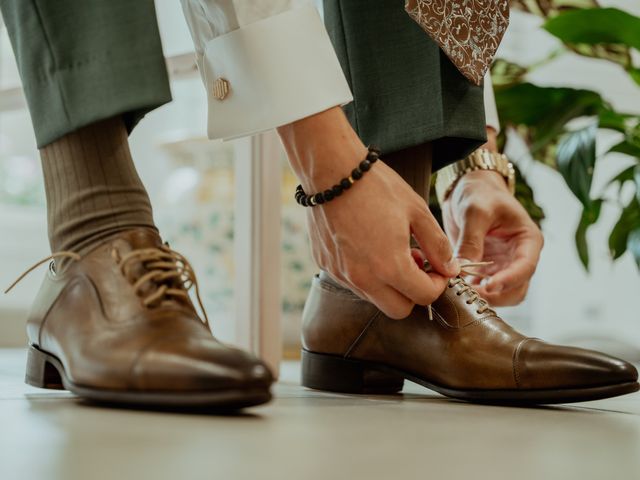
(406, 91)
(86, 60)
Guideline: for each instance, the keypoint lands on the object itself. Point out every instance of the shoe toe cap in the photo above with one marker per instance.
(540, 365)
(201, 364)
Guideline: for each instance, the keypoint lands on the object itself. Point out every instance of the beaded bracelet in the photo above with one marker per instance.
(345, 184)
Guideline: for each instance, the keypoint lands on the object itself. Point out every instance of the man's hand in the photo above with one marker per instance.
(486, 223)
(362, 237)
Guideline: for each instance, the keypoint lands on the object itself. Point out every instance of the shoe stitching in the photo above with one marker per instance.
(46, 315)
(515, 362)
(456, 310)
(361, 336)
(479, 321)
(441, 319)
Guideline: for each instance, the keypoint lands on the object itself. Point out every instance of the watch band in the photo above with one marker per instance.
(481, 159)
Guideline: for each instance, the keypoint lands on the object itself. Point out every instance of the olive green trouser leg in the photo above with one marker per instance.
(83, 61)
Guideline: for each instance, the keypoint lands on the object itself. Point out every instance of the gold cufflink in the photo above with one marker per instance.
(220, 88)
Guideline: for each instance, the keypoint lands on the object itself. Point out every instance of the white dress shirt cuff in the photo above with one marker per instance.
(279, 70)
(490, 108)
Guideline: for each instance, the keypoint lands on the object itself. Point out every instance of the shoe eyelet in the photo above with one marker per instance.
(458, 294)
(468, 302)
(478, 312)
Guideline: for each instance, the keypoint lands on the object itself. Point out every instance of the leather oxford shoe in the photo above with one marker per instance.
(462, 350)
(117, 325)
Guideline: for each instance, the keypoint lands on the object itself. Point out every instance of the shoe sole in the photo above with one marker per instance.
(46, 371)
(338, 374)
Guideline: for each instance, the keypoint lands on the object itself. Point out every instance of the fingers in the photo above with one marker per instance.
(517, 273)
(418, 257)
(420, 287)
(392, 303)
(470, 244)
(505, 298)
(520, 269)
(396, 286)
(434, 244)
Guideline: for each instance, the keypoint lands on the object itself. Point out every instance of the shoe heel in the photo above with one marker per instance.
(41, 372)
(337, 374)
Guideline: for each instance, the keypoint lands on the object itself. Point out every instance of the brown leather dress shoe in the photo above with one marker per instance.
(465, 351)
(117, 325)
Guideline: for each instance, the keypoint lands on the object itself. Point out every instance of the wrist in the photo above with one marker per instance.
(484, 185)
(484, 178)
(321, 148)
(492, 140)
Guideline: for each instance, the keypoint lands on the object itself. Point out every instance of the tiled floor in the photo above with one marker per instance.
(311, 435)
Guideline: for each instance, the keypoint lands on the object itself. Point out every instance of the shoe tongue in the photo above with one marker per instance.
(137, 239)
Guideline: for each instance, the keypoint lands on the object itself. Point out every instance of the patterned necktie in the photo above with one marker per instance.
(468, 31)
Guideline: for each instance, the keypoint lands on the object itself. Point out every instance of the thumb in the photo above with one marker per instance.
(434, 244)
(470, 244)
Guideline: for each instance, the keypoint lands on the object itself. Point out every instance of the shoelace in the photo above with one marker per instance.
(474, 296)
(165, 268)
(165, 264)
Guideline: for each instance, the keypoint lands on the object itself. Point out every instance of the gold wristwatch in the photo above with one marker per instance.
(481, 159)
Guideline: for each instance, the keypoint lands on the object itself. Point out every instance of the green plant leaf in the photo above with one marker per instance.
(504, 73)
(633, 245)
(590, 215)
(524, 194)
(623, 177)
(546, 8)
(613, 120)
(619, 54)
(636, 176)
(576, 157)
(635, 74)
(629, 221)
(544, 111)
(596, 26)
(627, 148)
(530, 104)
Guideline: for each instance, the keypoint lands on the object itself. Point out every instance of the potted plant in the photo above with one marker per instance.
(545, 116)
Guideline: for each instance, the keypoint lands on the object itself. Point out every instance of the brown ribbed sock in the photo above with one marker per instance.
(414, 166)
(92, 187)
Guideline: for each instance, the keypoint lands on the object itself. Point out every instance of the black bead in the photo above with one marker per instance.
(304, 201)
(319, 198)
(356, 174)
(345, 184)
(337, 190)
(299, 188)
(365, 165)
(373, 155)
(328, 195)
